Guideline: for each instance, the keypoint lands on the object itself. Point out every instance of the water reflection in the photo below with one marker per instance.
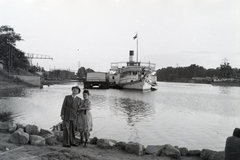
(96, 99)
(136, 110)
(224, 89)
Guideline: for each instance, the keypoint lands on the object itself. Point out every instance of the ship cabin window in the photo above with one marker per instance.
(135, 73)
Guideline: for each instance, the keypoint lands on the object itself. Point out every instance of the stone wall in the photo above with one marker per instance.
(34, 80)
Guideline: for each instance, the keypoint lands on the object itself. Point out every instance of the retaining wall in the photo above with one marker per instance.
(34, 80)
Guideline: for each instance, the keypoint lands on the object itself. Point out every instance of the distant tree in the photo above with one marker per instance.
(19, 60)
(89, 70)
(211, 72)
(82, 72)
(11, 56)
(8, 35)
(226, 70)
(33, 69)
(171, 74)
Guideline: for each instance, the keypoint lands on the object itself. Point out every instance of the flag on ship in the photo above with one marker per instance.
(135, 36)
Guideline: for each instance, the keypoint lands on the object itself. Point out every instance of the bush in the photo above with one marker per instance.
(5, 115)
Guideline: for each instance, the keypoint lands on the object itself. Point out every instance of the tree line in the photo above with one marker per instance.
(182, 74)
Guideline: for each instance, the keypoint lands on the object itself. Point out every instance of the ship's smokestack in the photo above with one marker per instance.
(131, 53)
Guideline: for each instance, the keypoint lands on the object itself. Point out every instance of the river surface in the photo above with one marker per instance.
(196, 116)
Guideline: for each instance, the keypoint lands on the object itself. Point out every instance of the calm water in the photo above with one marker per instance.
(195, 116)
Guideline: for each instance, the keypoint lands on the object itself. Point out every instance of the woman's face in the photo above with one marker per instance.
(85, 95)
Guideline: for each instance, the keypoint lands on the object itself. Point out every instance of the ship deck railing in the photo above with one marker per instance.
(119, 65)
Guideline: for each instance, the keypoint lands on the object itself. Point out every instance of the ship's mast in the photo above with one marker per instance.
(137, 48)
(136, 37)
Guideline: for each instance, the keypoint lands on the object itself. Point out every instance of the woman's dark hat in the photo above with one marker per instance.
(79, 90)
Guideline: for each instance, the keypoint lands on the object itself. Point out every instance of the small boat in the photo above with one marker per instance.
(133, 75)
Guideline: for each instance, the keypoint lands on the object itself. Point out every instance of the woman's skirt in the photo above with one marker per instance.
(84, 122)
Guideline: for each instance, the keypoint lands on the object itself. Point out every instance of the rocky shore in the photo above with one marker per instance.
(31, 142)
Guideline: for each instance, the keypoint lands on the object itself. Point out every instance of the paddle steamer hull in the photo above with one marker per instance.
(137, 86)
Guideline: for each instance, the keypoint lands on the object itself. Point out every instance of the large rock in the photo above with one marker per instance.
(120, 145)
(3, 126)
(136, 148)
(11, 126)
(8, 126)
(183, 151)
(32, 129)
(19, 137)
(59, 135)
(50, 139)
(154, 149)
(193, 153)
(218, 156)
(207, 154)
(93, 140)
(170, 151)
(37, 140)
(44, 132)
(106, 143)
(21, 126)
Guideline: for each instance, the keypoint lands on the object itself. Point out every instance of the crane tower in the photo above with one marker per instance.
(31, 56)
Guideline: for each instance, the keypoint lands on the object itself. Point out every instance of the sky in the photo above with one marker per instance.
(95, 33)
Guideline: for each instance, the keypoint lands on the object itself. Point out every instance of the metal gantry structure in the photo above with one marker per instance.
(31, 56)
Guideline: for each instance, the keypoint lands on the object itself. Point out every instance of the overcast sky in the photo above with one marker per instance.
(94, 33)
